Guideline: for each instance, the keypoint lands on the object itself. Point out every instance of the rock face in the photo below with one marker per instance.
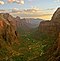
(54, 24)
(47, 27)
(9, 31)
(8, 36)
(26, 25)
(52, 30)
(22, 24)
(56, 16)
(56, 20)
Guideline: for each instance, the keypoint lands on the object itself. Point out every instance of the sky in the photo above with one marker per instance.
(43, 9)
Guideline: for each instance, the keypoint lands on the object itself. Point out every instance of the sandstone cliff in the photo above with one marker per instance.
(8, 37)
(53, 28)
(51, 33)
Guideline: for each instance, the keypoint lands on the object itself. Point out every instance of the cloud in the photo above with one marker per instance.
(56, 0)
(15, 11)
(1, 2)
(19, 1)
(22, 2)
(33, 13)
(11, 1)
(50, 9)
(16, 1)
(30, 13)
(31, 0)
(4, 11)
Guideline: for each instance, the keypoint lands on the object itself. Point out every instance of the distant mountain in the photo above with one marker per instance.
(26, 25)
(34, 22)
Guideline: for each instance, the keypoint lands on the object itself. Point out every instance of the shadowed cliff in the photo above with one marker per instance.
(49, 31)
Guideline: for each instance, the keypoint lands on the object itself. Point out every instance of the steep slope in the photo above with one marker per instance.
(49, 34)
(22, 24)
(8, 38)
(26, 25)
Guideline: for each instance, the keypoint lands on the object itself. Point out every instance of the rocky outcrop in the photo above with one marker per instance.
(56, 16)
(22, 24)
(53, 26)
(8, 27)
(8, 37)
(47, 27)
(52, 30)
(56, 20)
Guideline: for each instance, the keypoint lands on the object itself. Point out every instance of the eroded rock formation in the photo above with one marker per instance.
(8, 37)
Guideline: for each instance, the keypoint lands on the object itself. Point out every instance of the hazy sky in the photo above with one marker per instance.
(30, 8)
